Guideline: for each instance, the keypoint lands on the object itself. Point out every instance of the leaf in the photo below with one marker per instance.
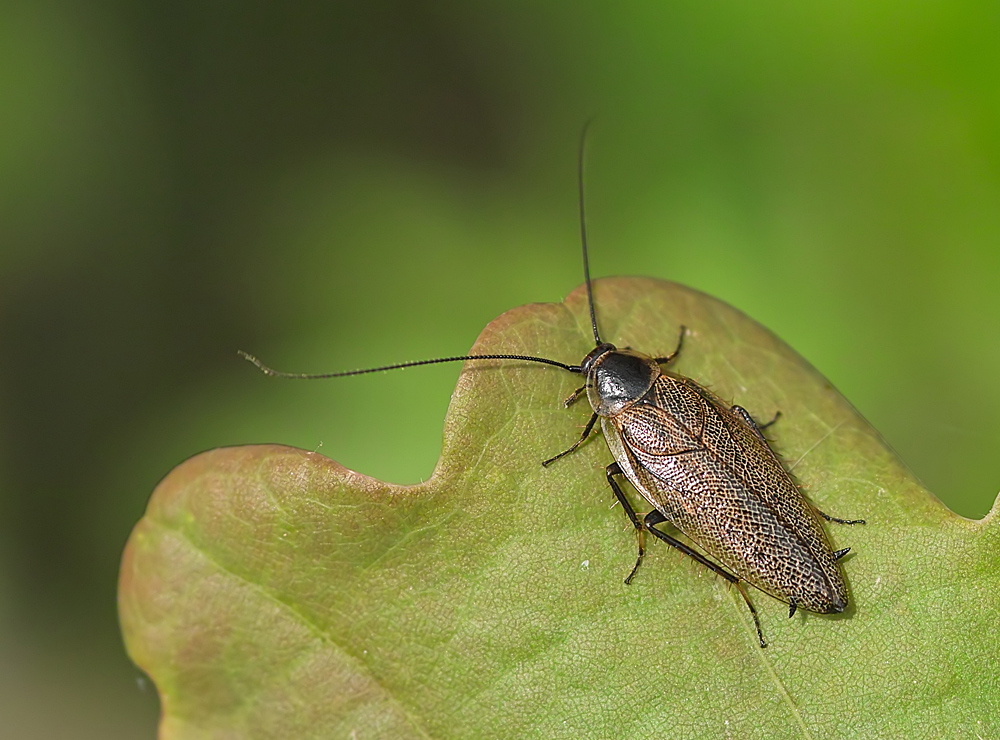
(271, 593)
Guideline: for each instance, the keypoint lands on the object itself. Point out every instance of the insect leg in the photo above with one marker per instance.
(680, 341)
(748, 420)
(835, 519)
(612, 470)
(586, 433)
(655, 517)
(575, 395)
(777, 415)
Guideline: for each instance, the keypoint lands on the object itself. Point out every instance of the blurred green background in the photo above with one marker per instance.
(336, 185)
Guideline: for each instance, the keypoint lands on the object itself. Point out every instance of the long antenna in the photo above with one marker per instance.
(318, 376)
(520, 358)
(583, 231)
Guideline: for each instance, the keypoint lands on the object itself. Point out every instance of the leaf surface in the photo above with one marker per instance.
(271, 593)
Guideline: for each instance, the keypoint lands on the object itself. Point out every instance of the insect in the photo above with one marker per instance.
(703, 466)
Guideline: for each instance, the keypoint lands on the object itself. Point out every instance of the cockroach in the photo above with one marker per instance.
(705, 467)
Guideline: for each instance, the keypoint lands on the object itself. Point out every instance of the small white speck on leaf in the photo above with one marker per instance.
(585, 565)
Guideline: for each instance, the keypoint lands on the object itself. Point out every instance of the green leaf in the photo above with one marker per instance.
(271, 593)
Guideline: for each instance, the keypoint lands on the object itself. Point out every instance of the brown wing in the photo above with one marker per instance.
(721, 485)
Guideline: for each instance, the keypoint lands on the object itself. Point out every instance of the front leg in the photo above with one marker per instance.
(669, 358)
(583, 438)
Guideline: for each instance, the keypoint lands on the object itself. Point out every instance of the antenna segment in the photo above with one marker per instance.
(318, 376)
(583, 231)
